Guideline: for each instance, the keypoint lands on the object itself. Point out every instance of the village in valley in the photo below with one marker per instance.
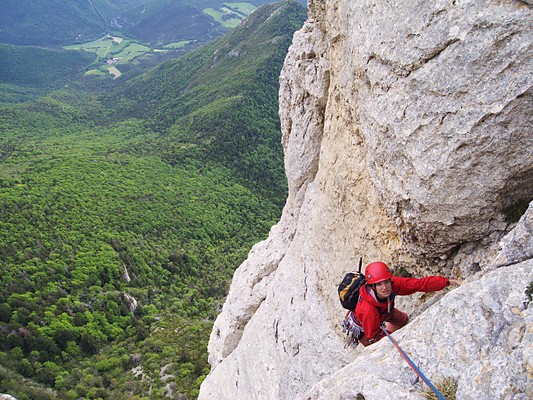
(113, 50)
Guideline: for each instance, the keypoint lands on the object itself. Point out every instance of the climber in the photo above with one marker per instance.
(376, 303)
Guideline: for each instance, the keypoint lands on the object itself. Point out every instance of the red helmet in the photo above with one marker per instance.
(376, 272)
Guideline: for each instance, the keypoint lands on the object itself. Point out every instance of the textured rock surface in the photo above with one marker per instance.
(518, 244)
(481, 334)
(443, 109)
(403, 142)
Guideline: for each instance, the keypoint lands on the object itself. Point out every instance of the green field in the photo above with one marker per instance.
(129, 52)
(231, 15)
(111, 50)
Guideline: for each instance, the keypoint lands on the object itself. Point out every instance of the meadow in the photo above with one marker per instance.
(231, 14)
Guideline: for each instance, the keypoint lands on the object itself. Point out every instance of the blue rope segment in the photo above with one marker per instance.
(412, 365)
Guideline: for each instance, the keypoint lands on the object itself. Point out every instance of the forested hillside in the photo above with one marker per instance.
(29, 71)
(208, 103)
(107, 39)
(123, 218)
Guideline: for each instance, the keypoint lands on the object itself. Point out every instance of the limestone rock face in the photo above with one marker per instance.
(404, 142)
(480, 335)
(443, 110)
(518, 244)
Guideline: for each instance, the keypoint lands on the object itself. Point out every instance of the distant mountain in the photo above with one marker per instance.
(154, 31)
(56, 22)
(209, 101)
(166, 21)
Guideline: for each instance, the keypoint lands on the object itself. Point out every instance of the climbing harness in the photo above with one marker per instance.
(412, 364)
(353, 330)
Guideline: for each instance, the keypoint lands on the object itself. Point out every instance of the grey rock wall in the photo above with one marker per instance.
(406, 130)
(444, 97)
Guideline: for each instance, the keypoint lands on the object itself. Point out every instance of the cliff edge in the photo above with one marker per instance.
(408, 138)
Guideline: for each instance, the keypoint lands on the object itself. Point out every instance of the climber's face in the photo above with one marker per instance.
(383, 288)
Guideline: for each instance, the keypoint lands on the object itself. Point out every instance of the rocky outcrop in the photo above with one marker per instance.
(517, 246)
(406, 142)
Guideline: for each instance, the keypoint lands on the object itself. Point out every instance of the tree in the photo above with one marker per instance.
(5, 312)
(88, 344)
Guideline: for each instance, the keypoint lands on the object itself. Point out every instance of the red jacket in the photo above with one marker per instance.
(371, 313)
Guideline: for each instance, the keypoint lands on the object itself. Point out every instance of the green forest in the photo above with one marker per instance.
(124, 214)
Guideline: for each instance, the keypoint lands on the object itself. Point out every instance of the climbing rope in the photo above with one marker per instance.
(412, 364)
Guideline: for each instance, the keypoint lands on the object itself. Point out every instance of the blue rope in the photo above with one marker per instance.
(412, 364)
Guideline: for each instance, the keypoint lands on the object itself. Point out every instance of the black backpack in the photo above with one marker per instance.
(349, 288)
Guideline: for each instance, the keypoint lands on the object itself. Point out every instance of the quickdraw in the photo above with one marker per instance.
(352, 329)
